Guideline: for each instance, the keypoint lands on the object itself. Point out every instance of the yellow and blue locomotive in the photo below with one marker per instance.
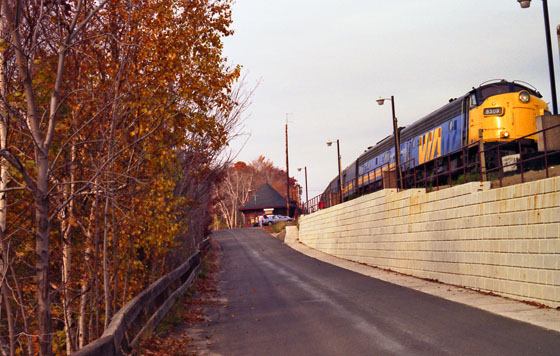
(505, 112)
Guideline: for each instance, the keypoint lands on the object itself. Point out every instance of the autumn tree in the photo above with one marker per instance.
(114, 115)
(242, 181)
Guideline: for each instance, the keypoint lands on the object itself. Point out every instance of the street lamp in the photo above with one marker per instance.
(381, 101)
(525, 4)
(329, 143)
(306, 195)
(558, 35)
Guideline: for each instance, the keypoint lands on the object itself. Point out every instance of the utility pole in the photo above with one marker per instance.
(550, 59)
(287, 172)
(525, 4)
(306, 189)
(339, 172)
(329, 143)
(558, 35)
(396, 133)
(306, 193)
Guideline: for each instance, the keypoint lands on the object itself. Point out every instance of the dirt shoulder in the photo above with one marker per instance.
(176, 334)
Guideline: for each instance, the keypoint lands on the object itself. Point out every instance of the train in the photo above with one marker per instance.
(504, 110)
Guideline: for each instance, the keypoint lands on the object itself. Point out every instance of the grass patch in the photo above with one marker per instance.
(278, 227)
(469, 177)
(174, 317)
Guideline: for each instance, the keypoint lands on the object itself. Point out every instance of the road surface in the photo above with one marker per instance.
(277, 301)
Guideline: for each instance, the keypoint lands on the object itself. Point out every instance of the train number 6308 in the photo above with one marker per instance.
(493, 111)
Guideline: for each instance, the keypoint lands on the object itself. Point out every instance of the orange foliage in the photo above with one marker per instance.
(242, 180)
(145, 97)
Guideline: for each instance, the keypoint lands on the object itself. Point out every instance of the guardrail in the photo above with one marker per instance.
(142, 313)
(465, 165)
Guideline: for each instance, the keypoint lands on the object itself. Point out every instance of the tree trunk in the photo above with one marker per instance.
(87, 277)
(9, 315)
(42, 255)
(23, 314)
(107, 292)
(40, 191)
(41, 143)
(67, 217)
(94, 331)
(4, 255)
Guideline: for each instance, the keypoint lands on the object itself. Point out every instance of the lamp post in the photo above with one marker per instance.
(380, 101)
(306, 195)
(558, 35)
(525, 4)
(329, 143)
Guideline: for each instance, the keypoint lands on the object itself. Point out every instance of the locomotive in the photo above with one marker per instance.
(505, 112)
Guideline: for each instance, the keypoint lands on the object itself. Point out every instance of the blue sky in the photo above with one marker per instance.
(325, 62)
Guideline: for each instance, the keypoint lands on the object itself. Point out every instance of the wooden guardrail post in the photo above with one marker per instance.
(115, 339)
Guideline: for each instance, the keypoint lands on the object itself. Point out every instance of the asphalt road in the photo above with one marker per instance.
(280, 302)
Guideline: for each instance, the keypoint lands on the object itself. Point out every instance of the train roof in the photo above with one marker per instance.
(452, 109)
(378, 149)
(442, 114)
(487, 88)
(348, 173)
(416, 128)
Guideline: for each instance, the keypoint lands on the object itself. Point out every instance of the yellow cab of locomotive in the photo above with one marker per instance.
(504, 116)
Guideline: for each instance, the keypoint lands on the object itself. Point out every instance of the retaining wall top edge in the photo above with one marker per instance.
(475, 188)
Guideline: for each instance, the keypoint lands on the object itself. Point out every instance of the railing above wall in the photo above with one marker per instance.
(468, 164)
(142, 313)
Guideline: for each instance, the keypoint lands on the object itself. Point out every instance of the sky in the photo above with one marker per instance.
(321, 64)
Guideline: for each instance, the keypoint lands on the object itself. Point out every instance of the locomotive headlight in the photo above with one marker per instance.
(504, 134)
(524, 97)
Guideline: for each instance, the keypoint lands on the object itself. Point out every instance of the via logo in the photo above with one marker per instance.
(429, 145)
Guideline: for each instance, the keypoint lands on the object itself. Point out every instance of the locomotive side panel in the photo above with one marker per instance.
(441, 140)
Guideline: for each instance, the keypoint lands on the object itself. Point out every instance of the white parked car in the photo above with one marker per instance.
(273, 219)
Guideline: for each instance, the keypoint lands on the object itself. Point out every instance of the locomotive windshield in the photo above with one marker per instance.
(486, 91)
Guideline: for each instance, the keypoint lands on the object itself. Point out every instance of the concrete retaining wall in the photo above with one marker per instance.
(505, 241)
(291, 235)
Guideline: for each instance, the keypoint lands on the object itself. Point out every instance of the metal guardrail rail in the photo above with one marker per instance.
(141, 314)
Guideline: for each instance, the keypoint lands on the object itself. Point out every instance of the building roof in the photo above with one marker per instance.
(266, 197)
